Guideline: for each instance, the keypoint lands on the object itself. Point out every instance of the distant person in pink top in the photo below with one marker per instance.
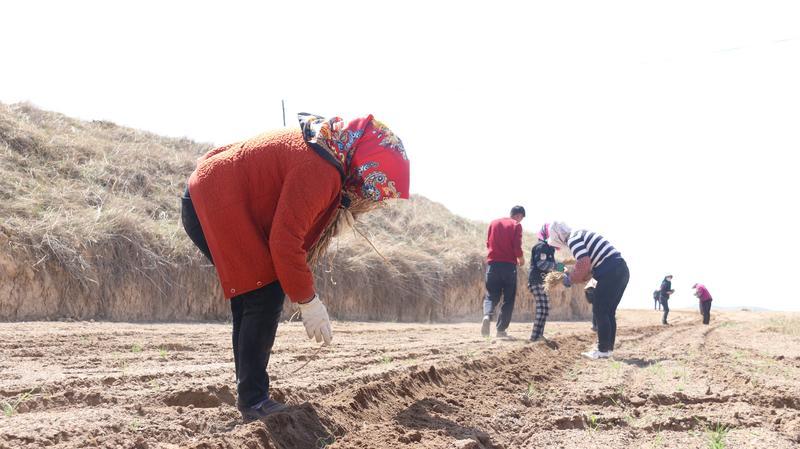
(504, 242)
(704, 296)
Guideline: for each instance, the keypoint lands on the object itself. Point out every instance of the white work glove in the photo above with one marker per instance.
(316, 321)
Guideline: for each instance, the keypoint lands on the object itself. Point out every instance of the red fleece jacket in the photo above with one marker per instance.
(504, 241)
(262, 204)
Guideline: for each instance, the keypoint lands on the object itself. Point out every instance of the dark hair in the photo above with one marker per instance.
(517, 210)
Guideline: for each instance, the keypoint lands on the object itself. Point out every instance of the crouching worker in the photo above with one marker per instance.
(595, 257)
(543, 261)
(701, 292)
(264, 209)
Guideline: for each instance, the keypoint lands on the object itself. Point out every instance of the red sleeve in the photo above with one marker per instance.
(303, 199)
(518, 240)
(489, 236)
(582, 271)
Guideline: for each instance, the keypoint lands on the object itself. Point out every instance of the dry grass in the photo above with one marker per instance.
(785, 325)
(67, 186)
(101, 203)
(425, 250)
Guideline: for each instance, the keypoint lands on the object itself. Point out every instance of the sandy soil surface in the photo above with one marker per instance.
(385, 385)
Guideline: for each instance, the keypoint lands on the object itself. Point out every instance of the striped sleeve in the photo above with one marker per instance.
(599, 248)
(591, 245)
(577, 245)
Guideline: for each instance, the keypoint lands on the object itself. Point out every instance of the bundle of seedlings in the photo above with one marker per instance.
(554, 281)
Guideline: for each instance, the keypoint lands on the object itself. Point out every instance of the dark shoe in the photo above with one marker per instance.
(535, 339)
(485, 326)
(502, 334)
(261, 410)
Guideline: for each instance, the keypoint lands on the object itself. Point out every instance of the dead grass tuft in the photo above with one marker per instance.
(785, 325)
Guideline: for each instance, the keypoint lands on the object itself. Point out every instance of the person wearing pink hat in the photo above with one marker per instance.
(543, 261)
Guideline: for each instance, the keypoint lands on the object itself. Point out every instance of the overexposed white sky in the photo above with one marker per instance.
(672, 128)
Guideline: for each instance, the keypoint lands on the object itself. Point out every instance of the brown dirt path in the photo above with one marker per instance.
(408, 385)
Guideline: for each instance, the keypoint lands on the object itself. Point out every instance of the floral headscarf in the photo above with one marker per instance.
(370, 158)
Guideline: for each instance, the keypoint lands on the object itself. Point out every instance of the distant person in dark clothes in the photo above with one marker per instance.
(504, 242)
(704, 296)
(657, 299)
(664, 293)
(589, 292)
(543, 261)
(595, 257)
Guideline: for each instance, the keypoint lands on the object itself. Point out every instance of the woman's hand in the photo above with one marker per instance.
(316, 320)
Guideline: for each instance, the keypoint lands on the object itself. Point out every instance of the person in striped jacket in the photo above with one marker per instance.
(595, 257)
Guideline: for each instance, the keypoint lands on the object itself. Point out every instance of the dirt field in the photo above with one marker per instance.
(409, 385)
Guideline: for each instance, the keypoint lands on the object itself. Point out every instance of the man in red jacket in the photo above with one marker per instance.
(262, 209)
(504, 242)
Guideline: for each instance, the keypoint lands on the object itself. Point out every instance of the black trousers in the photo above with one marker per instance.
(255, 322)
(191, 224)
(589, 292)
(611, 283)
(501, 281)
(665, 304)
(255, 317)
(705, 309)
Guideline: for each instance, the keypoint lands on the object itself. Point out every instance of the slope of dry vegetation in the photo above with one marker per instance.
(91, 229)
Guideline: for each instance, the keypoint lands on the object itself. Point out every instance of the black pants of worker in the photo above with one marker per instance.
(611, 283)
(255, 321)
(589, 292)
(255, 317)
(191, 224)
(501, 281)
(665, 304)
(705, 309)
